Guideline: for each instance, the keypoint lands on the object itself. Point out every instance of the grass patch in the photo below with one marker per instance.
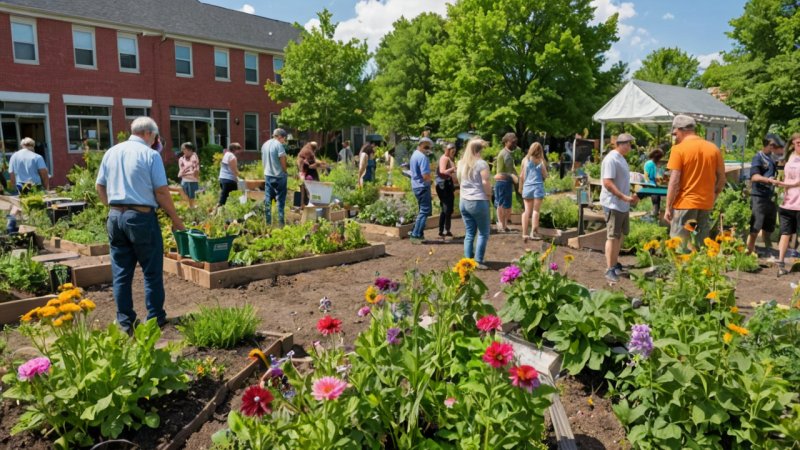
(220, 327)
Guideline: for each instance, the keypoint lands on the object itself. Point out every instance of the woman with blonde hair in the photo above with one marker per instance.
(531, 186)
(474, 177)
(789, 210)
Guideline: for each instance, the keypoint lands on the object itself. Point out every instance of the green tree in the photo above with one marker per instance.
(522, 65)
(670, 66)
(403, 80)
(759, 76)
(322, 80)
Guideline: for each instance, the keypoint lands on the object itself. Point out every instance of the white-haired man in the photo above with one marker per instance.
(26, 167)
(133, 183)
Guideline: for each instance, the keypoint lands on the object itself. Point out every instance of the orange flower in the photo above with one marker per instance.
(465, 267)
(739, 330)
(29, 315)
(713, 295)
(673, 243)
(87, 305)
(727, 338)
(47, 311)
(735, 309)
(69, 308)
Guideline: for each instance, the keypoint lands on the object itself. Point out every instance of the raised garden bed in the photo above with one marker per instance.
(12, 310)
(401, 231)
(220, 276)
(83, 249)
(90, 270)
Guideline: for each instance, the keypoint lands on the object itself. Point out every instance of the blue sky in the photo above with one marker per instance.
(696, 26)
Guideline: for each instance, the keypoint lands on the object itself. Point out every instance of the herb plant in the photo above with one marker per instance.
(220, 327)
(23, 273)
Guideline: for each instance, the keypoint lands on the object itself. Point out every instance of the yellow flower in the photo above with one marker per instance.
(673, 243)
(58, 322)
(68, 295)
(727, 338)
(200, 370)
(258, 354)
(547, 253)
(70, 308)
(465, 267)
(711, 244)
(371, 295)
(684, 258)
(87, 305)
(65, 287)
(738, 329)
(54, 303)
(712, 253)
(735, 309)
(652, 245)
(713, 295)
(707, 272)
(47, 311)
(29, 315)
(569, 258)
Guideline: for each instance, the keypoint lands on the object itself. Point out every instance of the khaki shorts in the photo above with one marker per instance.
(681, 216)
(617, 223)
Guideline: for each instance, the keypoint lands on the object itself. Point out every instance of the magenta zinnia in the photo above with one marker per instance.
(498, 355)
(328, 325)
(525, 377)
(489, 323)
(328, 388)
(364, 311)
(33, 367)
(256, 401)
(509, 274)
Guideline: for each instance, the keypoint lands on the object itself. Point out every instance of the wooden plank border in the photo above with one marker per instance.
(400, 232)
(83, 249)
(11, 311)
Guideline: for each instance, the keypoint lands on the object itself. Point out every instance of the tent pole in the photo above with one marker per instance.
(602, 138)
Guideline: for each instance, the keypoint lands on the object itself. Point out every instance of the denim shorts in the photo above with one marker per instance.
(503, 192)
(190, 187)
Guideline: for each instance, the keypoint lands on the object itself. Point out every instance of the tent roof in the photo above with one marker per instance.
(644, 102)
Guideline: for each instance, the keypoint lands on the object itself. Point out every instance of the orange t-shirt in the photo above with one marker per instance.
(697, 160)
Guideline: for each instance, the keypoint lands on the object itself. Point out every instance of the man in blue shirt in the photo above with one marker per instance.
(273, 157)
(27, 167)
(132, 182)
(420, 168)
(763, 179)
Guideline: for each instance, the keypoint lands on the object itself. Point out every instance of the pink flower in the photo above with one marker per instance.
(498, 355)
(328, 388)
(553, 266)
(489, 323)
(449, 402)
(509, 274)
(364, 311)
(33, 367)
(525, 377)
(328, 325)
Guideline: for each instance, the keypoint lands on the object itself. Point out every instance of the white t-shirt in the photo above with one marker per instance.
(225, 172)
(472, 185)
(616, 168)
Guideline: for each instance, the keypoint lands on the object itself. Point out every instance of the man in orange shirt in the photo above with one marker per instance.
(697, 176)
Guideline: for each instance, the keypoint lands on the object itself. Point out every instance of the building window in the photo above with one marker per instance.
(128, 53)
(273, 122)
(221, 64)
(23, 35)
(134, 112)
(251, 131)
(83, 43)
(183, 60)
(221, 134)
(277, 64)
(88, 127)
(251, 68)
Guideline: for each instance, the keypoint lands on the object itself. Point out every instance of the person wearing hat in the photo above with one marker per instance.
(616, 200)
(505, 177)
(697, 176)
(420, 168)
(273, 157)
(763, 180)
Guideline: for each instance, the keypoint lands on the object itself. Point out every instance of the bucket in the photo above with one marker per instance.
(182, 241)
(319, 193)
(202, 248)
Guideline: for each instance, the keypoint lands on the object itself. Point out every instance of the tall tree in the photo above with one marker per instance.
(670, 66)
(322, 80)
(759, 76)
(522, 65)
(403, 82)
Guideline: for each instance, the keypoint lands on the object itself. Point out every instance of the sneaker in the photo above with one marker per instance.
(618, 269)
(611, 275)
(449, 234)
(782, 269)
(481, 266)
(415, 240)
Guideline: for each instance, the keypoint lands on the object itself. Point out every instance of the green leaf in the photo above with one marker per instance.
(152, 420)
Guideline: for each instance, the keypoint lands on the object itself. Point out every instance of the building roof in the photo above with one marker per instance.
(645, 102)
(189, 18)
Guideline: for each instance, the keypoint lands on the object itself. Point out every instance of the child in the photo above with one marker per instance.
(533, 174)
(189, 171)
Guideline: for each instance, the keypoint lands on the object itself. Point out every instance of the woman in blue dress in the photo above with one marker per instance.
(366, 164)
(533, 174)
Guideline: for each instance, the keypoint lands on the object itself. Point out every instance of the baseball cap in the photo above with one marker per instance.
(683, 121)
(774, 139)
(426, 141)
(279, 132)
(625, 137)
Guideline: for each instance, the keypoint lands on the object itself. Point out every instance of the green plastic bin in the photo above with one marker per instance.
(201, 248)
(182, 241)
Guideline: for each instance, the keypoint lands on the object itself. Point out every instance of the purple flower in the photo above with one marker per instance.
(364, 311)
(382, 283)
(641, 341)
(33, 367)
(394, 286)
(553, 266)
(275, 372)
(393, 336)
(509, 274)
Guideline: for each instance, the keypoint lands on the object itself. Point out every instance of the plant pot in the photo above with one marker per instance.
(182, 241)
(203, 248)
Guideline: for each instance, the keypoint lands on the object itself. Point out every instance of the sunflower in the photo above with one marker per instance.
(465, 267)
(652, 245)
(371, 295)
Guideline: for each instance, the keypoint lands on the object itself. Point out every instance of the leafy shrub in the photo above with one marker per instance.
(643, 232)
(85, 227)
(24, 274)
(559, 212)
(733, 210)
(388, 212)
(220, 327)
(775, 337)
(554, 183)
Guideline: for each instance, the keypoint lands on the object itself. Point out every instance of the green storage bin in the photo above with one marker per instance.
(201, 248)
(182, 241)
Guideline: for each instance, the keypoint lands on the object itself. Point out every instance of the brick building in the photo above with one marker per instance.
(75, 73)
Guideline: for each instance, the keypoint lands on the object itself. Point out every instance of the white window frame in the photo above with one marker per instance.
(32, 23)
(191, 59)
(246, 54)
(135, 49)
(94, 47)
(227, 61)
(244, 144)
(109, 117)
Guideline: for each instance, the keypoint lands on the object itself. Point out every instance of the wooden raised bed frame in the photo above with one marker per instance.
(83, 249)
(11, 311)
(400, 232)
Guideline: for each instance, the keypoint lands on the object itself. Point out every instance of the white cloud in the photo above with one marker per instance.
(705, 60)
(634, 66)
(247, 8)
(668, 16)
(374, 18)
(606, 8)
(311, 24)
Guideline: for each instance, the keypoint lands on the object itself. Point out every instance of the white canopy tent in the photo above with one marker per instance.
(645, 103)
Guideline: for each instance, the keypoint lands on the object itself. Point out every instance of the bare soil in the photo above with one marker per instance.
(291, 305)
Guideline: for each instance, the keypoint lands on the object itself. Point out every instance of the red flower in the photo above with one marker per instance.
(498, 355)
(489, 323)
(256, 401)
(328, 325)
(525, 377)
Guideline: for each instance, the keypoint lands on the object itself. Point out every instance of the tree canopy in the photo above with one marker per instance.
(322, 79)
(670, 66)
(759, 76)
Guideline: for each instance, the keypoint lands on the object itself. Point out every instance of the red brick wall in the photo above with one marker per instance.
(56, 75)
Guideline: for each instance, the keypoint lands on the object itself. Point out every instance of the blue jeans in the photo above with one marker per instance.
(134, 237)
(477, 217)
(423, 195)
(276, 190)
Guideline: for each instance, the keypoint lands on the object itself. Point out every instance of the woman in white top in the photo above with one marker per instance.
(476, 188)
(229, 173)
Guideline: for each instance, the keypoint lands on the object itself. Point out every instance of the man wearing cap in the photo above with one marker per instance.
(697, 176)
(505, 177)
(763, 180)
(420, 168)
(273, 157)
(616, 200)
